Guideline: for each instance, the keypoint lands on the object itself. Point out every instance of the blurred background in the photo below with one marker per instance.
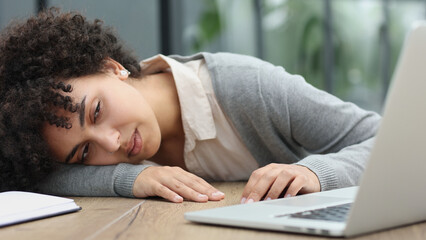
(346, 47)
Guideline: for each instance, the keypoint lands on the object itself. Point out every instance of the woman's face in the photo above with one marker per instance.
(115, 124)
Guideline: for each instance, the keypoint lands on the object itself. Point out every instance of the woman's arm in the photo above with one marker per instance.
(282, 119)
(127, 180)
(338, 137)
(80, 180)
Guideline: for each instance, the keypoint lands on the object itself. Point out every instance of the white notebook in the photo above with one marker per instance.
(17, 207)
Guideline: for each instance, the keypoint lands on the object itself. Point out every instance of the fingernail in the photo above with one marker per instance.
(202, 196)
(218, 194)
(288, 195)
(268, 199)
(178, 198)
(250, 201)
(243, 200)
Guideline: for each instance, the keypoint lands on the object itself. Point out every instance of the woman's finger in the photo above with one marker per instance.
(174, 184)
(298, 183)
(263, 185)
(254, 179)
(186, 192)
(164, 192)
(200, 185)
(277, 188)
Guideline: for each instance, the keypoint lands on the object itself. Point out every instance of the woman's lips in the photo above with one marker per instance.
(135, 144)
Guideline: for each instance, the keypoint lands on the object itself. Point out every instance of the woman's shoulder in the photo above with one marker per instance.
(226, 59)
(241, 73)
(221, 59)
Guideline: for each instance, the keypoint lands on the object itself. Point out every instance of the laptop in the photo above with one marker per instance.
(392, 190)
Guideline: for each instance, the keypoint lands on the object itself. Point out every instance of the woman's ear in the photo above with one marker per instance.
(114, 67)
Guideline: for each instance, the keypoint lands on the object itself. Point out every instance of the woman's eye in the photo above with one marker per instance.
(97, 111)
(85, 153)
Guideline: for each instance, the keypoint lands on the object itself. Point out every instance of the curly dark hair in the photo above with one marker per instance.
(37, 57)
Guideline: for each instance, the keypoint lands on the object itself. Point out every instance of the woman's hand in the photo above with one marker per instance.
(270, 182)
(174, 184)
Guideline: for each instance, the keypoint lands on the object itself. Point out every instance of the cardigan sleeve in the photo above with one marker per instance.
(80, 180)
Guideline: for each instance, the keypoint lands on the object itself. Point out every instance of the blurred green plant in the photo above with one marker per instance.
(299, 38)
(209, 26)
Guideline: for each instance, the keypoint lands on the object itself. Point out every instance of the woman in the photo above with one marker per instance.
(71, 94)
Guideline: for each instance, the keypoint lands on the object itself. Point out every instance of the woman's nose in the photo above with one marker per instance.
(109, 140)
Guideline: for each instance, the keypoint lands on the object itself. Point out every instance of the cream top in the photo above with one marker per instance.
(213, 149)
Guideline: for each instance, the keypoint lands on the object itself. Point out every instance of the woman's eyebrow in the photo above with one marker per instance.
(82, 111)
(82, 117)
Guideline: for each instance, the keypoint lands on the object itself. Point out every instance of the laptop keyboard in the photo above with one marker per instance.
(336, 213)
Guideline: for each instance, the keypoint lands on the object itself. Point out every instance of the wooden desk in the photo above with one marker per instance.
(123, 218)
